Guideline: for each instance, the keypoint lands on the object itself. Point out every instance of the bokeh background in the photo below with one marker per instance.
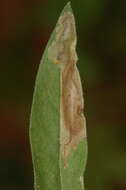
(25, 27)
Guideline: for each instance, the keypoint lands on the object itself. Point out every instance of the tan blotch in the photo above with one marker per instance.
(63, 52)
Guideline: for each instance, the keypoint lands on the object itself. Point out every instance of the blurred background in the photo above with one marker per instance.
(25, 30)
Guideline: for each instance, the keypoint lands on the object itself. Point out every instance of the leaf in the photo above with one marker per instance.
(57, 124)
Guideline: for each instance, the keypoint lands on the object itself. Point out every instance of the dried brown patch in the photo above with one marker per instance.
(62, 51)
(72, 109)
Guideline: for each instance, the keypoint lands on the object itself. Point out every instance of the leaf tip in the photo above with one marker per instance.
(68, 7)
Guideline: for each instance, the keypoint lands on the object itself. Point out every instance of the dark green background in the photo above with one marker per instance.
(25, 27)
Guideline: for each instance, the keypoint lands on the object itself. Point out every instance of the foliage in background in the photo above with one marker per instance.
(25, 29)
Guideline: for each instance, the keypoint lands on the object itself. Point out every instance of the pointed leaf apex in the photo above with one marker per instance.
(68, 7)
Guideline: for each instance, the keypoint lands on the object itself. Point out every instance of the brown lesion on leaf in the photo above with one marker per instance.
(72, 108)
(62, 51)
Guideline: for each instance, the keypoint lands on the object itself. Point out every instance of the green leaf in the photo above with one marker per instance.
(57, 124)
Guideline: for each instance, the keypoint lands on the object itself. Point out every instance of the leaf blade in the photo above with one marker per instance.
(45, 129)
